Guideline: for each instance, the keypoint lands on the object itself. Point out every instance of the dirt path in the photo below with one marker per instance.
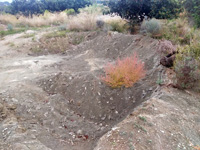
(58, 102)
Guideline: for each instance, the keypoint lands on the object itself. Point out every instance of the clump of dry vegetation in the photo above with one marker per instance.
(59, 41)
(124, 72)
(116, 23)
(178, 31)
(82, 22)
(86, 20)
(35, 21)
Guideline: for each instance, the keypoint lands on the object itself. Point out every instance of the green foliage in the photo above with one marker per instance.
(5, 7)
(178, 31)
(69, 11)
(30, 7)
(28, 35)
(187, 69)
(92, 9)
(130, 9)
(165, 9)
(187, 66)
(193, 7)
(46, 14)
(115, 26)
(151, 27)
(62, 27)
(137, 9)
(55, 34)
(27, 7)
(193, 49)
(8, 32)
(9, 27)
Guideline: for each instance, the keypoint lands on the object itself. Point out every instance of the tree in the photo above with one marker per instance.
(30, 7)
(193, 8)
(137, 9)
(130, 9)
(27, 7)
(165, 9)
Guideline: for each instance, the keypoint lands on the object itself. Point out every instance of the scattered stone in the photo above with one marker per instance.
(12, 106)
(79, 132)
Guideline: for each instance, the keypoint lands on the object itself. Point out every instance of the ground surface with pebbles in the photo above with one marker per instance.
(58, 102)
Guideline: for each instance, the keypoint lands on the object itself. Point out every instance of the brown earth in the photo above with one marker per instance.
(58, 102)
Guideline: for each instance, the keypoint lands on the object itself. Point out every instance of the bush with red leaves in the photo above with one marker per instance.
(125, 72)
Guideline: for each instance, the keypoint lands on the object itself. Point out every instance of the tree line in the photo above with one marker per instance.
(134, 10)
(30, 7)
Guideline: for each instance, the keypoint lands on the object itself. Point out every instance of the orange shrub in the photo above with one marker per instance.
(124, 72)
(197, 147)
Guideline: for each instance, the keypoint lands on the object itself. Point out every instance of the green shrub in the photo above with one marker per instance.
(151, 27)
(187, 70)
(46, 14)
(55, 34)
(9, 27)
(70, 11)
(193, 49)
(62, 27)
(178, 31)
(193, 7)
(92, 9)
(116, 23)
(4, 33)
(117, 26)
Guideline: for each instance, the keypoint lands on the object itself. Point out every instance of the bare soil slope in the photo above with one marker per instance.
(58, 102)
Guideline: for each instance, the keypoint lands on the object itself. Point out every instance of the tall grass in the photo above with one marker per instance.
(82, 22)
(86, 20)
(35, 21)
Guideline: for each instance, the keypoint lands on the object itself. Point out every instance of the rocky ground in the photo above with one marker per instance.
(58, 102)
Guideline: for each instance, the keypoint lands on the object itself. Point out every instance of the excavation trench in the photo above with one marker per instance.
(65, 105)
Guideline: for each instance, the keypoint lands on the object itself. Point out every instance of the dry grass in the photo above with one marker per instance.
(82, 22)
(44, 20)
(58, 42)
(8, 19)
(178, 31)
(115, 22)
(35, 21)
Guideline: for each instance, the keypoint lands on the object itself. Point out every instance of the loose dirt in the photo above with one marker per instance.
(58, 102)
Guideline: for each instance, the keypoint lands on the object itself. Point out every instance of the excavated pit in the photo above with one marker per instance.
(65, 105)
(78, 86)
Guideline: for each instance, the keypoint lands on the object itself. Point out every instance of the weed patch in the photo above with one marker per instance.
(151, 27)
(178, 31)
(27, 35)
(8, 32)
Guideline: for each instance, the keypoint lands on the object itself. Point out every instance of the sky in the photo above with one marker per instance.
(5, 0)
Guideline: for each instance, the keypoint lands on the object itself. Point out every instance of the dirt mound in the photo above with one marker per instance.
(61, 103)
(78, 86)
(168, 121)
(80, 80)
